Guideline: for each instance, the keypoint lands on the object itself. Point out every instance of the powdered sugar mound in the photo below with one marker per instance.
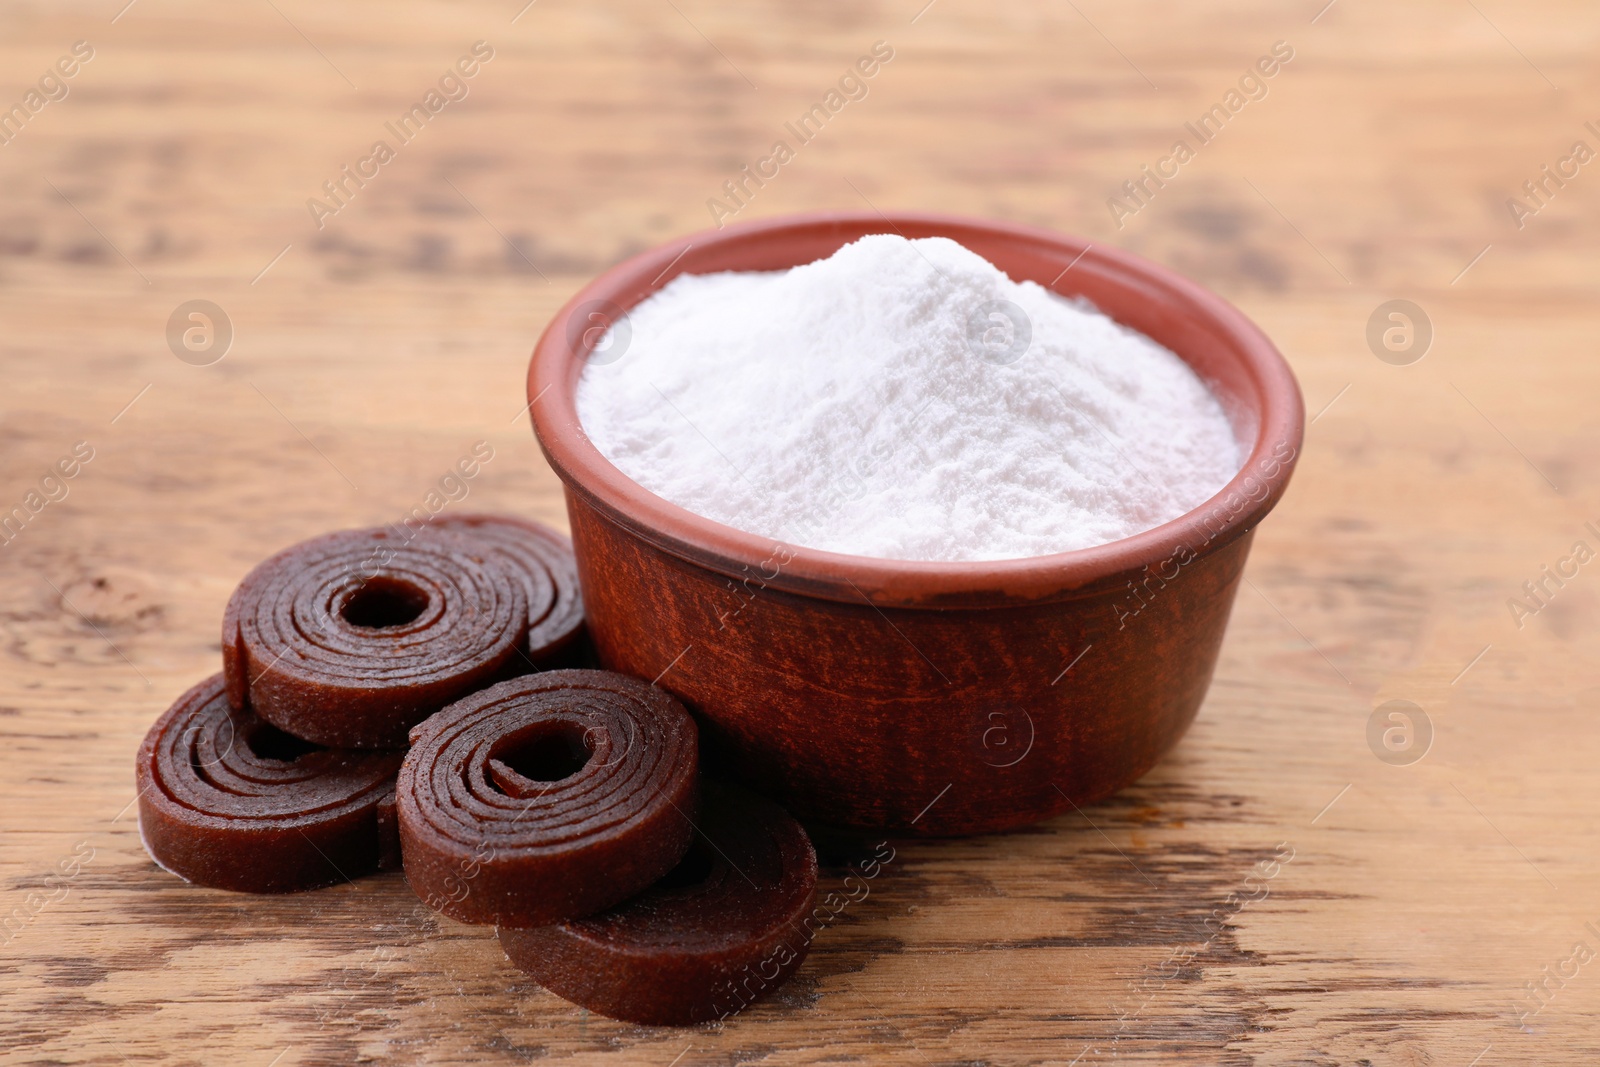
(852, 405)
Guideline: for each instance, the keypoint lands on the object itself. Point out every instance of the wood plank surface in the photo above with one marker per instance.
(1409, 909)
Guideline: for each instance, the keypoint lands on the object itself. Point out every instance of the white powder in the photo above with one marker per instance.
(868, 403)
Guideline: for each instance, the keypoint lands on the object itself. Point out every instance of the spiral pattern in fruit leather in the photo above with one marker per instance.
(352, 638)
(230, 801)
(547, 797)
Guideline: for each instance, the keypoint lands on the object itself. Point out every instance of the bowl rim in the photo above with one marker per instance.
(557, 361)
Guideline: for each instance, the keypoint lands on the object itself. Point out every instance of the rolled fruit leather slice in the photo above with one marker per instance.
(723, 929)
(229, 801)
(547, 797)
(352, 638)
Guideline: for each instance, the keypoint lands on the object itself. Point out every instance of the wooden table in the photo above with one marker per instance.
(1422, 898)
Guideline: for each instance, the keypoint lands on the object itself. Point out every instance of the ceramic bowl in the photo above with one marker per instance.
(922, 697)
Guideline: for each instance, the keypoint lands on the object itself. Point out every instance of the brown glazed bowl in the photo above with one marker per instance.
(937, 698)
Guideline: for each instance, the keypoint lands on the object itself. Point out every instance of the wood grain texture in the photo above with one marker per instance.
(1420, 900)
